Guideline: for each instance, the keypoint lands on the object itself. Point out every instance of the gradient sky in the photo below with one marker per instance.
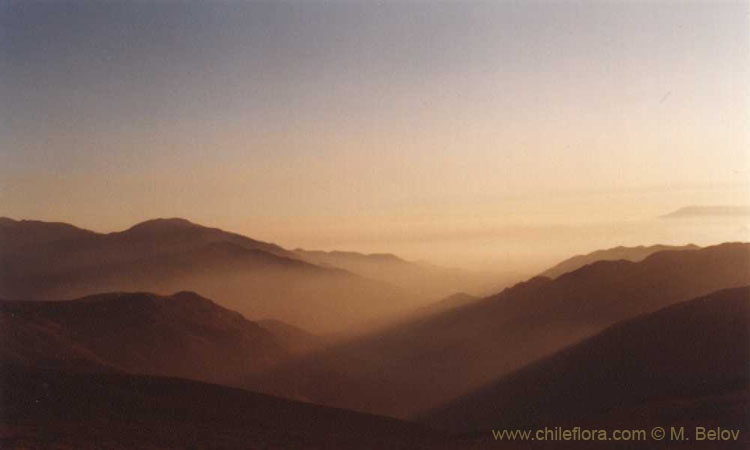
(463, 132)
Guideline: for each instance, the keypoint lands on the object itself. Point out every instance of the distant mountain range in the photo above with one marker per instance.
(634, 254)
(424, 362)
(419, 279)
(175, 235)
(664, 361)
(40, 260)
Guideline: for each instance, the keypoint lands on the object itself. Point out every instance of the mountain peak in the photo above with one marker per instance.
(188, 295)
(163, 224)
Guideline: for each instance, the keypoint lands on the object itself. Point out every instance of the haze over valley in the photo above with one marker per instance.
(359, 225)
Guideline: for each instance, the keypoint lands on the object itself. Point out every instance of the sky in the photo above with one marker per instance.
(478, 134)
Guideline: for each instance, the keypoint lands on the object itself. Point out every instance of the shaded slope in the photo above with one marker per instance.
(430, 360)
(181, 335)
(47, 409)
(633, 254)
(454, 301)
(691, 350)
(295, 339)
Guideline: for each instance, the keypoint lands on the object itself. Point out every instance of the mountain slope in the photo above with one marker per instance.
(258, 279)
(427, 361)
(690, 350)
(633, 254)
(454, 301)
(295, 339)
(49, 409)
(181, 335)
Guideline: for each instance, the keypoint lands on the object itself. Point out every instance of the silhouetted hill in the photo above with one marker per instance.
(181, 335)
(633, 254)
(422, 280)
(693, 350)
(256, 278)
(432, 359)
(49, 409)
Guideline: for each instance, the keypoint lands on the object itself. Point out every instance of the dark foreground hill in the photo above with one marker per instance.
(181, 335)
(58, 410)
(662, 365)
(48, 261)
(425, 362)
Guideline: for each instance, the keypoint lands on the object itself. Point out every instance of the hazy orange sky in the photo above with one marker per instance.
(468, 133)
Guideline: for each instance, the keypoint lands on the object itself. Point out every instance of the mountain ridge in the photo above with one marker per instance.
(633, 254)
